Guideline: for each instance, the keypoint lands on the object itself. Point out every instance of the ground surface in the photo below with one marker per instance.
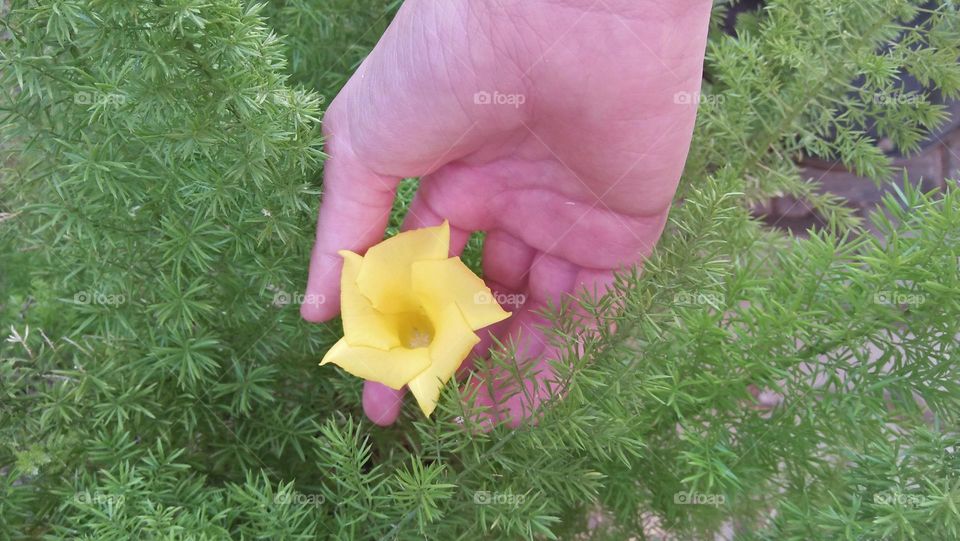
(936, 165)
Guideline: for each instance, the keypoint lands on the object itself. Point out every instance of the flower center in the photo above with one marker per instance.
(416, 331)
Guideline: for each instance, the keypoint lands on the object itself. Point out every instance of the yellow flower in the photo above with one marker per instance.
(409, 313)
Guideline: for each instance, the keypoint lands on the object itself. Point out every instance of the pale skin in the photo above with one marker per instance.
(558, 127)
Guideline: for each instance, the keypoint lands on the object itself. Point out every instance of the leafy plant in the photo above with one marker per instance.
(161, 166)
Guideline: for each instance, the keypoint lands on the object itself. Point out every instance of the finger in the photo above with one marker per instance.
(594, 282)
(353, 216)
(421, 215)
(506, 262)
(591, 286)
(506, 265)
(461, 193)
(507, 398)
(591, 313)
(513, 394)
(382, 404)
(542, 382)
(551, 279)
(487, 336)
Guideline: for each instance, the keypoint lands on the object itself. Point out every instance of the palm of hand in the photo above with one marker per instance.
(560, 131)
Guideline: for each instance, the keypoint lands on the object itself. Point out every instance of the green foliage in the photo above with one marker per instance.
(160, 172)
(325, 44)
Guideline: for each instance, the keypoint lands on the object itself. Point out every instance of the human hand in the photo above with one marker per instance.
(559, 127)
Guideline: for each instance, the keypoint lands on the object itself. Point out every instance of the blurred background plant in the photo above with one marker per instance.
(161, 165)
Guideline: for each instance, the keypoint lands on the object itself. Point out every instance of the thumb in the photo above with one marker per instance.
(353, 216)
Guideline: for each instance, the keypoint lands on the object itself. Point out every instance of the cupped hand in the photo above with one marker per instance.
(558, 127)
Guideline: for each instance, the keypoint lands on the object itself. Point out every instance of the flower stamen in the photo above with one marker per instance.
(416, 331)
(419, 339)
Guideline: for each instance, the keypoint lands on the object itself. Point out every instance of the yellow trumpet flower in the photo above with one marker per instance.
(409, 313)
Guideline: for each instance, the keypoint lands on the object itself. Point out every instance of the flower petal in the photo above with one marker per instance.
(363, 325)
(439, 283)
(393, 368)
(385, 273)
(452, 343)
